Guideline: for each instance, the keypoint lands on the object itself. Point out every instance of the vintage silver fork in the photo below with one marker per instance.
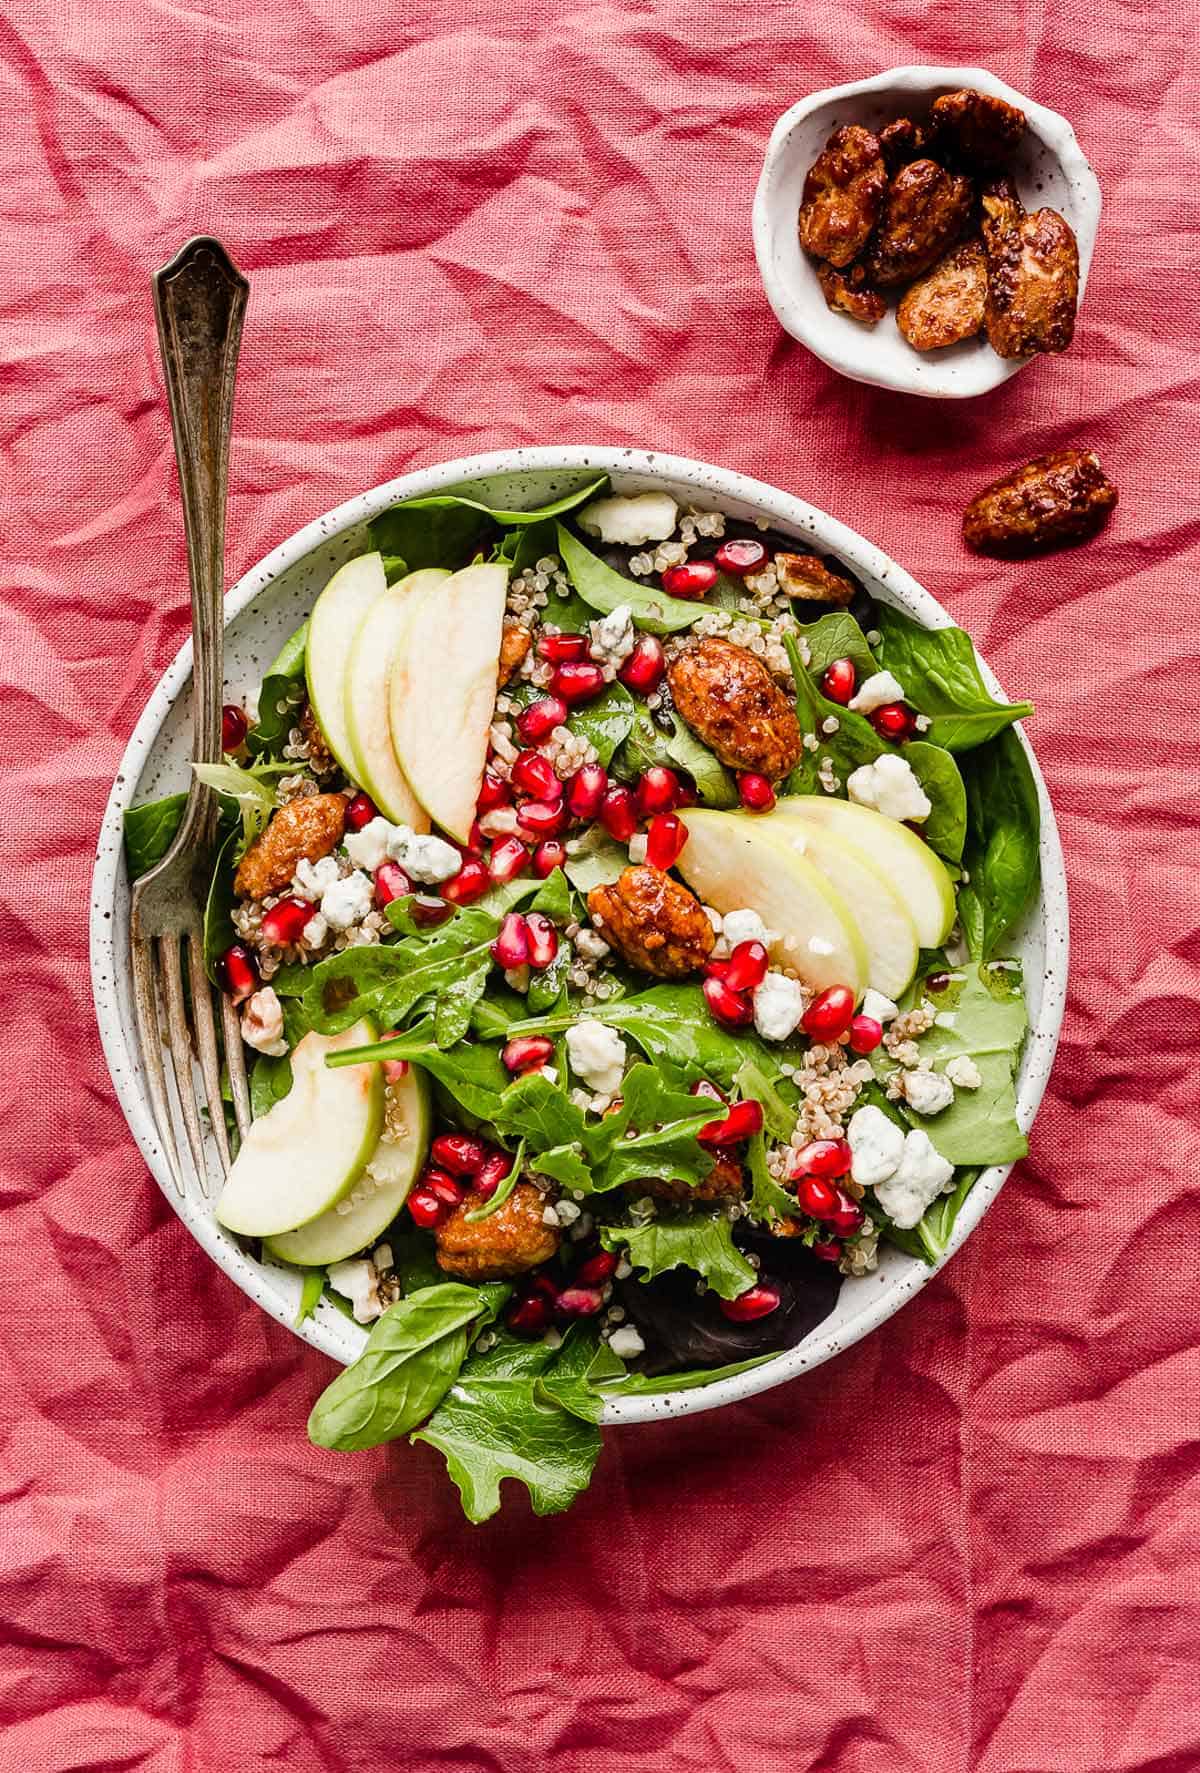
(199, 302)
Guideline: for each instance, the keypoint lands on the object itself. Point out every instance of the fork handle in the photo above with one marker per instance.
(199, 302)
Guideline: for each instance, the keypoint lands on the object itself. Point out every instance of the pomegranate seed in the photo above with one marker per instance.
(741, 555)
(865, 1034)
(596, 1270)
(746, 967)
(543, 818)
(847, 1217)
(715, 969)
(839, 681)
(543, 940)
(687, 793)
(586, 790)
(426, 1209)
(818, 1198)
(580, 1301)
(529, 1316)
(284, 922)
(702, 1087)
(526, 1051)
(509, 858)
(494, 791)
(391, 882)
(548, 856)
(476, 841)
(441, 1186)
(534, 775)
(492, 1171)
(511, 947)
(360, 811)
(830, 1014)
(827, 1252)
(665, 840)
(892, 721)
(234, 727)
(657, 790)
(826, 1158)
(563, 649)
(692, 578)
(618, 814)
(237, 971)
(732, 1009)
(539, 720)
(755, 792)
(577, 682)
(470, 883)
(644, 668)
(755, 1302)
(743, 1119)
(395, 1070)
(427, 913)
(459, 1153)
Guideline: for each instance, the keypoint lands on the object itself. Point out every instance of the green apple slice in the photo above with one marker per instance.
(366, 695)
(442, 690)
(299, 1159)
(888, 932)
(732, 860)
(911, 866)
(336, 618)
(385, 1185)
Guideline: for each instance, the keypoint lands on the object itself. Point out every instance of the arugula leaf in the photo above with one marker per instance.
(941, 676)
(441, 530)
(411, 1359)
(554, 898)
(652, 1133)
(646, 745)
(503, 1190)
(702, 1241)
(448, 966)
(768, 1200)
(515, 1412)
(1002, 855)
(606, 590)
(148, 831)
(641, 1384)
(472, 1072)
(311, 1288)
(540, 1112)
(283, 690)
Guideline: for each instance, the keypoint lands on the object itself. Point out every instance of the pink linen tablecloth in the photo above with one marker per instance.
(970, 1543)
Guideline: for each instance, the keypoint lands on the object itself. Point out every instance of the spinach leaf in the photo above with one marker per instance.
(836, 636)
(647, 745)
(643, 1384)
(442, 530)
(939, 1219)
(411, 1359)
(554, 898)
(515, 1412)
(1002, 855)
(218, 907)
(471, 1072)
(606, 590)
(946, 827)
(270, 1082)
(702, 1241)
(311, 1288)
(941, 677)
(283, 690)
(594, 859)
(493, 1015)
(606, 722)
(148, 831)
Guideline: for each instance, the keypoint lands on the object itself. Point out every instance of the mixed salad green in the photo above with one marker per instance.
(620, 904)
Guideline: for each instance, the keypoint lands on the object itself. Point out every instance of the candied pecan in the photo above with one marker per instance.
(514, 645)
(947, 304)
(731, 701)
(653, 922)
(902, 140)
(976, 127)
(1000, 210)
(304, 830)
(842, 194)
(924, 212)
(807, 577)
(1033, 286)
(1053, 500)
(848, 292)
(510, 1241)
(725, 1181)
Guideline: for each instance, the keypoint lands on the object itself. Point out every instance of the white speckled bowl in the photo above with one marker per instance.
(1049, 168)
(264, 608)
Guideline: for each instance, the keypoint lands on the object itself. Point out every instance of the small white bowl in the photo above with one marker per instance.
(1050, 171)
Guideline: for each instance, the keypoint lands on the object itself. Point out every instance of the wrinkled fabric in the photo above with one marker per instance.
(969, 1543)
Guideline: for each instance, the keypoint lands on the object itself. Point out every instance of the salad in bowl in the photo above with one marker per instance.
(619, 902)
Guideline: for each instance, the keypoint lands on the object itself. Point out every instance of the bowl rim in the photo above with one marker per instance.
(108, 884)
(853, 359)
